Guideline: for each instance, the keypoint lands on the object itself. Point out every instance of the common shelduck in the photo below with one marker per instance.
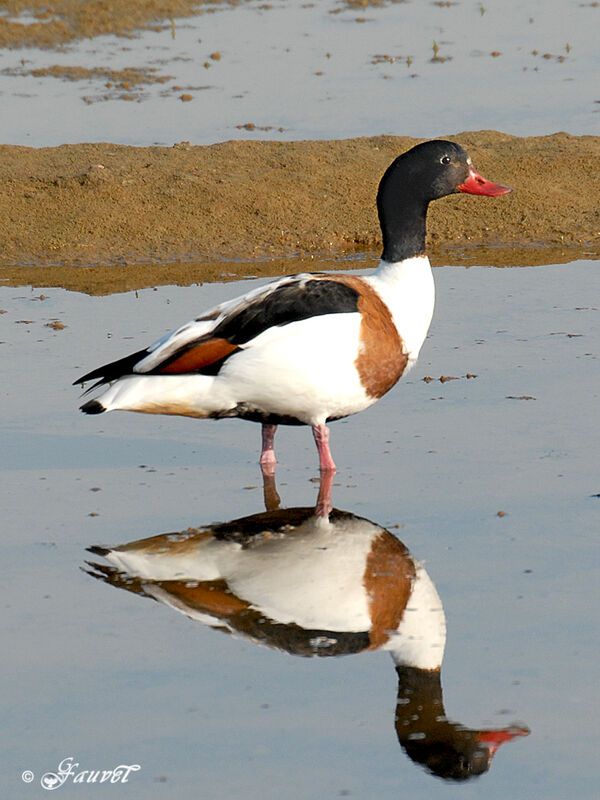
(310, 348)
(317, 583)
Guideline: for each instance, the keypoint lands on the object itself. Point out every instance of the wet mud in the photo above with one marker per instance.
(58, 22)
(118, 84)
(77, 210)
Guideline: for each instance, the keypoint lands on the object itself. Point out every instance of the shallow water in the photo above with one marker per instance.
(297, 70)
(109, 678)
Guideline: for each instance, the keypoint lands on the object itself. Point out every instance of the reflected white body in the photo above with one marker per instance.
(312, 576)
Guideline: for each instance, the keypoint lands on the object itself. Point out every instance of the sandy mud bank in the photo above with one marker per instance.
(138, 210)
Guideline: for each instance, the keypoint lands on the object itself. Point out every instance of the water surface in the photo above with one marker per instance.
(293, 70)
(110, 678)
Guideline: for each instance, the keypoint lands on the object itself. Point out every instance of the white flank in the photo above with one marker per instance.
(312, 576)
(304, 369)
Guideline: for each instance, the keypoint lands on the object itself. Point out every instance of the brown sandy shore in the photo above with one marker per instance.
(104, 217)
(54, 23)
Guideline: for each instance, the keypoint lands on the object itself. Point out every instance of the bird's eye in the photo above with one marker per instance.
(445, 160)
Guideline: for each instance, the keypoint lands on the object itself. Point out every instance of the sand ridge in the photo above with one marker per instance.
(102, 205)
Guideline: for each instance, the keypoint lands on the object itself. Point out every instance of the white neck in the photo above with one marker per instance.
(421, 636)
(392, 270)
(406, 287)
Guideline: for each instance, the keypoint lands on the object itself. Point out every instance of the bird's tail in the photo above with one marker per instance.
(92, 407)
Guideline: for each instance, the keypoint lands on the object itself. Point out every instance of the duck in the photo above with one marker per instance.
(316, 582)
(310, 348)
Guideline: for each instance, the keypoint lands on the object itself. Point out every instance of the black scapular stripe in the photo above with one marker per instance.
(251, 529)
(289, 303)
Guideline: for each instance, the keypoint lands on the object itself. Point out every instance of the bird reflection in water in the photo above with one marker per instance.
(316, 582)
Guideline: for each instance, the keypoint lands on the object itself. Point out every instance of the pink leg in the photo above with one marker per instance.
(324, 506)
(321, 434)
(267, 455)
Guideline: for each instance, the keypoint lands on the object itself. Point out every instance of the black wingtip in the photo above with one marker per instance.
(98, 550)
(116, 369)
(92, 407)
